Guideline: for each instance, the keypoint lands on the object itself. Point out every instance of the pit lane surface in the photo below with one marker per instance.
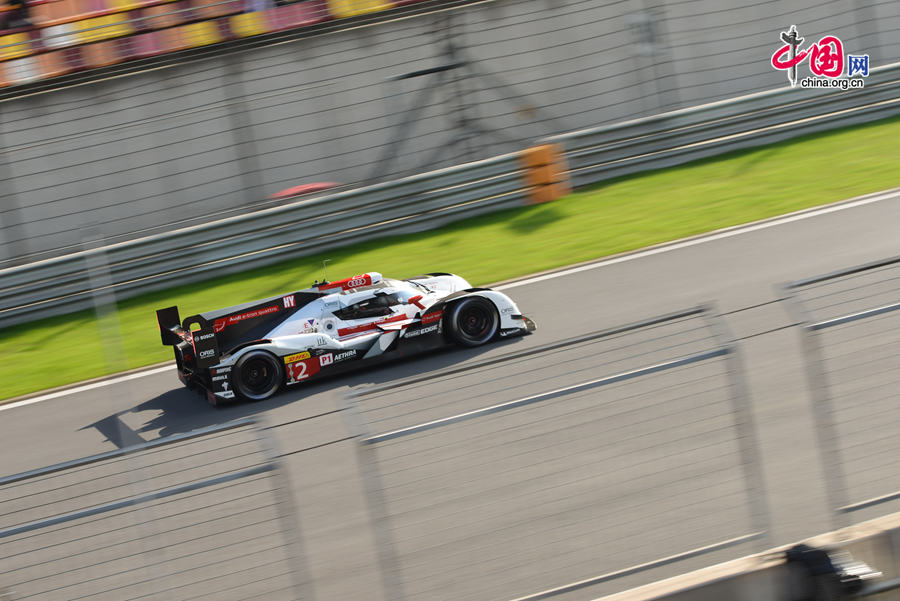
(737, 272)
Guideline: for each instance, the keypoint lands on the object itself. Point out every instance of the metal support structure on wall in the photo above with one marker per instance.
(456, 80)
(245, 145)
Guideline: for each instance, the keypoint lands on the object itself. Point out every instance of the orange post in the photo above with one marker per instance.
(545, 172)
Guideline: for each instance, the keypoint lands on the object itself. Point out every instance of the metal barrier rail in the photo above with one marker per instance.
(420, 202)
(513, 488)
(689, 134)
(851, 342)
(57, 286)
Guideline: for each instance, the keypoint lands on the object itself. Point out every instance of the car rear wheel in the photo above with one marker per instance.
(258, 375)
(473, 321)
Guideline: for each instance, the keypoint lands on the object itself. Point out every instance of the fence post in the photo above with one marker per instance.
(288, 516)
(822, 409)
(748, 441)
(13, 240)
(388, 561)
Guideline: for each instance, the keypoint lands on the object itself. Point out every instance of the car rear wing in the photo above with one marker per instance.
(206, 347)
(170, 327)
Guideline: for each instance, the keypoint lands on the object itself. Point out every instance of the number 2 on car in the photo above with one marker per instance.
(303, 369)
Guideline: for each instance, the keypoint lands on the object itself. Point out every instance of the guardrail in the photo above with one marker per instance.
(415, 203)
(689, 134)
(425, 201)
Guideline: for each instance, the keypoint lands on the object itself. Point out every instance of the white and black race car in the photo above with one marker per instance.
(250, 351)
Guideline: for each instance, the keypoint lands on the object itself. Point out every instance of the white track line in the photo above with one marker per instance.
(68, 391)
(702, 239)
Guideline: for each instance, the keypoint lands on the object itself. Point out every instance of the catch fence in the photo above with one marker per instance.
(850, 327)
(193, 516)
(569, 466)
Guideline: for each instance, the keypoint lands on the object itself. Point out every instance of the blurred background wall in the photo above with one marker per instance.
(215, 135)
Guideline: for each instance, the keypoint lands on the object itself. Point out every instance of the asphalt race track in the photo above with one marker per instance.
(737, 271)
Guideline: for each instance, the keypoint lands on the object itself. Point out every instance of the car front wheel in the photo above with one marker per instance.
(473, 321)
(258, 375)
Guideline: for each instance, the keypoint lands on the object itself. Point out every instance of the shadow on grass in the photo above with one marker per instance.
(755, 157)
(532, 220)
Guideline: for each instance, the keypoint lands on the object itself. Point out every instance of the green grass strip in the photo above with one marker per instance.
(617, 216)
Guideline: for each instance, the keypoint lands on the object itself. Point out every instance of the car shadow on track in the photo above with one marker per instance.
(181, 410)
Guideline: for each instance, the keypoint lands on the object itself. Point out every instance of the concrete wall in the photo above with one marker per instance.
(766, 577)
(127, 156)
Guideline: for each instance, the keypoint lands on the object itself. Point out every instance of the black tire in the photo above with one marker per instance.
(473, 321)
(257, 375)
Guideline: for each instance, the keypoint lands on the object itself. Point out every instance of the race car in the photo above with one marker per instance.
(251, 351)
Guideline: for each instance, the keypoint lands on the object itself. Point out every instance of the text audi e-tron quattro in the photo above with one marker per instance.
(250, 351)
